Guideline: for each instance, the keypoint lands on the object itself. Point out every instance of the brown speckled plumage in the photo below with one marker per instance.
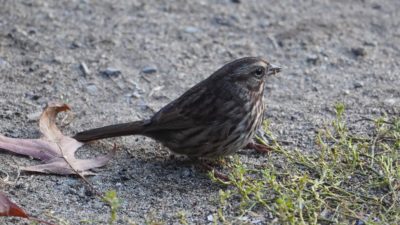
(216, 117)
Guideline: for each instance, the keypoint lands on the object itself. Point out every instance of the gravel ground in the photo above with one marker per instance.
(118, 61)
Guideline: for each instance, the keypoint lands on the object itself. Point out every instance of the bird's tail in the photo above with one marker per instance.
(116, 130)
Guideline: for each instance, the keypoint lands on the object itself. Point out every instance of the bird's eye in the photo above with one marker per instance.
(259, 72)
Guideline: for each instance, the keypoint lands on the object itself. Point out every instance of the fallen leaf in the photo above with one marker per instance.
(55, 150)
(8, 208)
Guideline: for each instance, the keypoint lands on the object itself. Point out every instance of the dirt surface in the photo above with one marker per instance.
(142, 54)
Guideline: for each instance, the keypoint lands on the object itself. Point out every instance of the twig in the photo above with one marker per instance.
(79, 174)
(364, 118)
(39, 220)
(274, 43)
(373, 145)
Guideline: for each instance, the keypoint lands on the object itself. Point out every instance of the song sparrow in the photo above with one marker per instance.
(216, 117)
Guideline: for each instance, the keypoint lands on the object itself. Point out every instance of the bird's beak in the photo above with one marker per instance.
(274, 69)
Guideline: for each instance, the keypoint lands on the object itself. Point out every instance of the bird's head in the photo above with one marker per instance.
(249, 72)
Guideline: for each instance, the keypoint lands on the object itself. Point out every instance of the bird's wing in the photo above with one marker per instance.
(199, 106)
(179, 114)
(171, 118)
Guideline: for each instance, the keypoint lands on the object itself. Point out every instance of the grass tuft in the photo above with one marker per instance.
(111, 199)
(350, 179)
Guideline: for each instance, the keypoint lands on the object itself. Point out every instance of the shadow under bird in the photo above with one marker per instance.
(216, 117)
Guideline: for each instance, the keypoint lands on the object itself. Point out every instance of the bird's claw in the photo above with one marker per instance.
(259, 147)
(215, 172)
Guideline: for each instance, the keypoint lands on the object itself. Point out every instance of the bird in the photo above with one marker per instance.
(214, 118)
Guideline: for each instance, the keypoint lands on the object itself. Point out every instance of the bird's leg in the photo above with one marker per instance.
(216, 173)
(258, 147)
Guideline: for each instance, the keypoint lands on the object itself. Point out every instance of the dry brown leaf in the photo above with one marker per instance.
(55, 150)
(9, 208)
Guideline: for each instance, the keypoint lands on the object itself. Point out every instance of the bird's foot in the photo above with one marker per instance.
(259, 147)
(206, 166)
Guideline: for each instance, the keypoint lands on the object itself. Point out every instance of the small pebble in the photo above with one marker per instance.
(32, 32)
(359, 222)
(136, 94)
(358, 52)
(57, 59)
(369, 43)
(225, 21)
(71, 191)
(91, 88)
(32, 96)
(88, 192)
(19, 186)
(210, 218)
(313, 59)
(3, 63)
(358, 84)
(75, 45)
(111, 72)
(390, 101)
(376, 6)
(243, 218)
(149, 69)
(34, 116)
(192, 30)
(8, 112)
(81, 192)
(185, 172)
